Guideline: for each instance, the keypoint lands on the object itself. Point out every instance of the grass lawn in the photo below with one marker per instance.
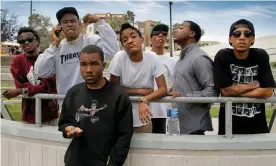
(269, 111)
(6, 84)
(15, 110)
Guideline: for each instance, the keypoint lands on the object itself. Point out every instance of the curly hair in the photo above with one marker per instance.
(28, 29)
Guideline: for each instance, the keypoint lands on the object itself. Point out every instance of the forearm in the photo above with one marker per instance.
(133, 91)
(206, 92)
(159, 93)
(45, 64)
(109, 41)
(235, 90)
(259, 93)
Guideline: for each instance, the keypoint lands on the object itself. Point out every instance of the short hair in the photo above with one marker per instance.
(93, 49)
(196, 28)
(28, 29)
(128, 26)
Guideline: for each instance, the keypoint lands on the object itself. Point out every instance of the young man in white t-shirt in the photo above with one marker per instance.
(136, 72)
(159, 110)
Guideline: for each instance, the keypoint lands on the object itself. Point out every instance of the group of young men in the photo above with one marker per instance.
(98, 113)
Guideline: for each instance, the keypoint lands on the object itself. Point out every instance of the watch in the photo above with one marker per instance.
(25, 92)
(143, 100)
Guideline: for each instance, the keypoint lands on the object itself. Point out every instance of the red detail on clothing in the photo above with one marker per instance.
(20, 67)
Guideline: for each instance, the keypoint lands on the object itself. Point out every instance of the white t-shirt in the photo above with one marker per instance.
(136, 75)
(159, 110)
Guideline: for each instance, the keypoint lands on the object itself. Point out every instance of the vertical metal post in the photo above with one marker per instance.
(171, 42)
(272, 120)
(31, 13)
(228, 119)
(38, 112)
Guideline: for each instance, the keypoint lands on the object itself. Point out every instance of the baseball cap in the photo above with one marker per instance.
(242, 23)
(66, 10)
(159, 27)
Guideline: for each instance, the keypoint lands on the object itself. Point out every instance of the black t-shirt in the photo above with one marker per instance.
(105, 116)
(248, 118)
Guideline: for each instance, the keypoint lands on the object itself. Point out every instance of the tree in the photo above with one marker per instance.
(114, 22)
(176, 26)
(156, 23)
(129, 16)
(9, 25)
(43, 26)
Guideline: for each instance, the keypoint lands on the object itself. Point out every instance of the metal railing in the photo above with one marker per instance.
(227, 100)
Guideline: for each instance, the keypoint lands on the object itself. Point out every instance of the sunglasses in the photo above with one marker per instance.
(160, 32)
(238, 34)
(29, 39)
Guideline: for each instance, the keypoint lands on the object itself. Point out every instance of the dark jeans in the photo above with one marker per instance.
(159, 125)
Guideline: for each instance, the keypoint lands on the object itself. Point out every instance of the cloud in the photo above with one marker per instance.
(214, 17)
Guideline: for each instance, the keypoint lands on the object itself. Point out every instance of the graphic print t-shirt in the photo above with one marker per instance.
(248, 118)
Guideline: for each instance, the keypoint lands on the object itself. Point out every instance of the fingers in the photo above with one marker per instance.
(78, 131)
(175, 94)
(73, 131)
(5, 93)
(55, 38)
(90, 18)
(86, 18)
(145, 115)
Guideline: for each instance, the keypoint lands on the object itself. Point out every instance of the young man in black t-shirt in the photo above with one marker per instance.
(244, 72)
(97, 115)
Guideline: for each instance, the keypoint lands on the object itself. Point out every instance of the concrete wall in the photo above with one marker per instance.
(28, 145)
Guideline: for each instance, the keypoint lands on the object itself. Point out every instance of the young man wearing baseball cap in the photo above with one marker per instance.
(158, 38)
(62, 57)
(244, 72)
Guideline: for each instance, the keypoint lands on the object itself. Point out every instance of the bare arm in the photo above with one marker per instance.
(114, 79)
(259, 93)
(161, 91)
(131, 91)
(238, 89)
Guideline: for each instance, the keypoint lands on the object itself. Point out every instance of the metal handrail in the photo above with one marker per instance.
(227, 100)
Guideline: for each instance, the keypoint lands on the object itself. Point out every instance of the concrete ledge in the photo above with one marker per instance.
(28, 145)
(153, 141)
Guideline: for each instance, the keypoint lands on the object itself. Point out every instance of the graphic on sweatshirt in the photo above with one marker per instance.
(70, 58)
(89, 112)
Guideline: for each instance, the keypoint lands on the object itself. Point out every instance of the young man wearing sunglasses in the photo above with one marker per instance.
(244, 72)
(194, 77)
(20, 66)
(136, 71)
(62, 57)
(158, 36)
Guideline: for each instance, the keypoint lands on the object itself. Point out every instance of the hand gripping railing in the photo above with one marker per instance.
(227, 100)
